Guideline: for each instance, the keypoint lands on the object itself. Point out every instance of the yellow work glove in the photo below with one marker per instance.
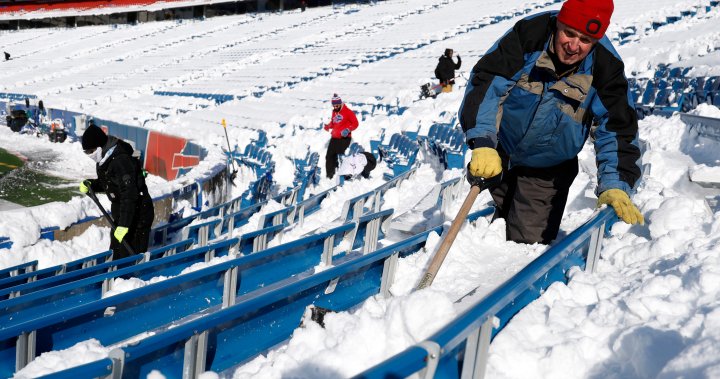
(84, 186)
(120, 233)
(624, 208)
(485, 162)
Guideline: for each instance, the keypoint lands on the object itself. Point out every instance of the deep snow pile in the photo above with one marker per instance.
(652, 309)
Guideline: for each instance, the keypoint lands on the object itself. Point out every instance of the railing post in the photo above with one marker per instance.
(358, 209)
(277, 219)
(200, 357)
(260, 243)
(146, 257)
(371, 236)
(118, 358)
(594, 247)
(349, 236)
(331, 286)
(85, 264)
(477, 346)
(291, 215)
(198, 195)
(375, 234)
(231, 226)
(107, 284)
(388, 274)
(230, 287)
(24, 350)
(218, 229)
(234, 249)
(209, 255)
(328, 250)
(345, 211)
(194, 356)
(293, 196)
(301, 215)
(203, 235)
(433, 357)
(188, 371)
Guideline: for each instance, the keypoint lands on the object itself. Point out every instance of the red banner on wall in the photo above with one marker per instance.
(165, 155)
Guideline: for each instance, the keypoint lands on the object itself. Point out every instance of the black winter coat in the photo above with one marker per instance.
(121, 177)
(445, 70)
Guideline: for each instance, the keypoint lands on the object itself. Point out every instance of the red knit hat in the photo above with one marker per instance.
(590, 17)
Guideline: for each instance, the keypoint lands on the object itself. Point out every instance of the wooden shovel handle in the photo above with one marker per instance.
(442, 251)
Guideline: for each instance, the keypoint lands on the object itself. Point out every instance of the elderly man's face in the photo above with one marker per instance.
(572, 46)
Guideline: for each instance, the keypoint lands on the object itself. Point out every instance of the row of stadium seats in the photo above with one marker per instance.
(257, 158)
(307, 170)
(399, 154)
(448, 144)
(671, 91)
(631, 33)
(217, 97)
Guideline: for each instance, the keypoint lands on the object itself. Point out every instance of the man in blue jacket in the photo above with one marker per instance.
(547, 85)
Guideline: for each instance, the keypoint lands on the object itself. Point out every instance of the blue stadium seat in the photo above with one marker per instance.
(648, 96)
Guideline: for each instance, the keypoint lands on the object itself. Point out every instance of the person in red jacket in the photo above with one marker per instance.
(341, 125)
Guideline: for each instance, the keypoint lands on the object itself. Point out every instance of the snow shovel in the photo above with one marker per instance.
(232, 159)
(107, 216)
(478, 184)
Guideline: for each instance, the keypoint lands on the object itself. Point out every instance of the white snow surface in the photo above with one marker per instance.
(652, 309)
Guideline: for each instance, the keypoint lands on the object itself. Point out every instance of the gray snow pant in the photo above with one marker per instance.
(532, 199)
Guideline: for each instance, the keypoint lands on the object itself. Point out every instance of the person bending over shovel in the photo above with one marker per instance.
(533, 99)
(122, 178)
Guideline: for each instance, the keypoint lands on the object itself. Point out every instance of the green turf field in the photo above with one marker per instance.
(21, 184)
(8, 162)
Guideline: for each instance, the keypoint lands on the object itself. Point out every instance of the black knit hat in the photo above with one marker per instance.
(93, 138)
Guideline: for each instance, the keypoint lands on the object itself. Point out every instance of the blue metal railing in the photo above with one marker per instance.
(240, 331)
(22, 268)
(498, 307)
(178, 296)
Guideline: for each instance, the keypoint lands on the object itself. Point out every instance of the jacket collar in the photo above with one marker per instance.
(108, 149)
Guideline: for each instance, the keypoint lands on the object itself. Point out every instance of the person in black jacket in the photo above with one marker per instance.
(122, 178)
(445, 70)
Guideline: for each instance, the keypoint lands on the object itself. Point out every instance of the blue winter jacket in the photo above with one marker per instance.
(516, 99)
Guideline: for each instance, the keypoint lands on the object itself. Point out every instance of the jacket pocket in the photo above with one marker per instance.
(570, 133)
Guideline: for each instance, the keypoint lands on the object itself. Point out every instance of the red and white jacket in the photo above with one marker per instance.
(344, 119)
